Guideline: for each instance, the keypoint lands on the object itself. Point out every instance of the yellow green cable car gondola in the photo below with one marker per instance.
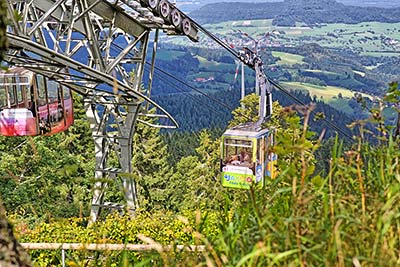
(246, 157)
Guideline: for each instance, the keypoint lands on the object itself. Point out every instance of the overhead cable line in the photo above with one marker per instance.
(216, 39)
(236, 55)
(274, 83)
(199, 91)
(298, 101)
(230, 108)
(192, 87)
(188, 94)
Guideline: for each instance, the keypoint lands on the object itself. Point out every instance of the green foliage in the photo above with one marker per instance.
(164, 228)
(180, 144)
(304, 219)
(247, 112)
(3, 30)
(197, 177)
(347, 215)
(150, 166)
(44, 177)
(301, 218)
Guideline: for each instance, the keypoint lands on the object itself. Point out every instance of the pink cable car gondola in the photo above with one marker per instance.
(31, 104)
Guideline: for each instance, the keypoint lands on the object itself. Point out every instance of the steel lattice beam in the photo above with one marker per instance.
(98, 48)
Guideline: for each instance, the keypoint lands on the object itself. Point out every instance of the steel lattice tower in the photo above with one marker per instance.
(99, 49)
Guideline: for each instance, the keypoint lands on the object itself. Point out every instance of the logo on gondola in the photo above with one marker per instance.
(249, 179)
(229, 177)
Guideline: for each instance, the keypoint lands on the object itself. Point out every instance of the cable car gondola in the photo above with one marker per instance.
(31, 104)
(246, 159)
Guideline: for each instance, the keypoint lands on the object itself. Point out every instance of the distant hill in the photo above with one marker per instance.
(190, 5)
(288, 12)
(373, 3)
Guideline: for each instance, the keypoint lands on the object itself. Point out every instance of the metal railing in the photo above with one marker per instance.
(108, 247)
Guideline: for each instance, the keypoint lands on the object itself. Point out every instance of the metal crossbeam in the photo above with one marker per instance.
(98, 48)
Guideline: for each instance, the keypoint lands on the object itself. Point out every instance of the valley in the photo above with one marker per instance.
(318, 176)
(330, 62)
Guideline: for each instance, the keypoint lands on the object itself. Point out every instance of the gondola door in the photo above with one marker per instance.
(42, 106)
(269, 158)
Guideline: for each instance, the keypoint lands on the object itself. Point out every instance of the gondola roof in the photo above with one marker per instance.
(247, 133)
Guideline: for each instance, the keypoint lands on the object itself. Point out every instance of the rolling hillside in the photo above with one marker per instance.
(289, 12)
(191, 5)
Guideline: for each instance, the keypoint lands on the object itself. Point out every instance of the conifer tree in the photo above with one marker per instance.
(150, 167)
(196, 180)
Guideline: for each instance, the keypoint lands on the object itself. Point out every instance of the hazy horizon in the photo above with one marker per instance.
(190, 5)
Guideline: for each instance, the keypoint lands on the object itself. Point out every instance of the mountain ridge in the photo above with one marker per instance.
(288, 12)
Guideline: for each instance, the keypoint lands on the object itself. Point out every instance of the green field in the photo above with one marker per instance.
(362, 74)
(169, 54)
(287, 58)
(321, 71)
(327, 93)
(366, 38)
(215, 66)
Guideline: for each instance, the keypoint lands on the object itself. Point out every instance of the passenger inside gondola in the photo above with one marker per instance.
(234, 160)
(244, 156)
(238, 152)
(32, 103)
(32, 108)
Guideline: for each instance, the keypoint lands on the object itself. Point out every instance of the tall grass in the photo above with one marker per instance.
(348, 217)
(351, 217)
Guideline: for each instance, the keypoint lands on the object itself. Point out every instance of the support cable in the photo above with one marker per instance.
(199, 91)
(277, 85)
(209, 106)
(236, 55)
(230, 108)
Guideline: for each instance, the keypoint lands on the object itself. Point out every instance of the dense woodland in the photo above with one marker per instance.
(324, 194)
(204, 113)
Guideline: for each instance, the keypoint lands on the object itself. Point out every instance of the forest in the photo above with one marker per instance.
(326, 191)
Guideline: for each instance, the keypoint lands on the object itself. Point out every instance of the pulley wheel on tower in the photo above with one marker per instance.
(176, 18)
(164, 9)
(186, 26)
(153, 3)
